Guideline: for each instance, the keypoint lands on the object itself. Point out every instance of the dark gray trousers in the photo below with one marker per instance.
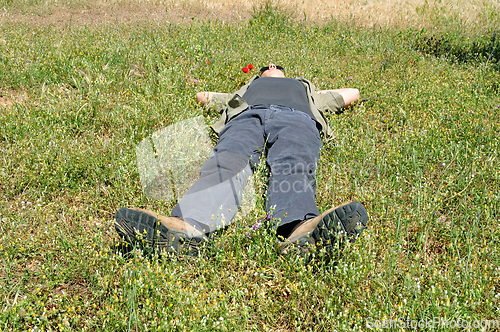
(291, 142)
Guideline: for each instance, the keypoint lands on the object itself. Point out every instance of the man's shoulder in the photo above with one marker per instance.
(302, 79)
(306, 82)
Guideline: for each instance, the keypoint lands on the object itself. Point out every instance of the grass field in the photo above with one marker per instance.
(421, 152)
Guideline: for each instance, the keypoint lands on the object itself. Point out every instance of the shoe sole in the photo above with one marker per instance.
(345, 222)
(145, 231)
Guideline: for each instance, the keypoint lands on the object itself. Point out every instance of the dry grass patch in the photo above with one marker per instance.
(8, 97)
(401, 13)
(5, 101)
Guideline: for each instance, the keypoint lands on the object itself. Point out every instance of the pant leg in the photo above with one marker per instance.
(293, 150)
(214, 198)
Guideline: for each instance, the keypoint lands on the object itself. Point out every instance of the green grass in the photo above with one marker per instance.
(421, 153)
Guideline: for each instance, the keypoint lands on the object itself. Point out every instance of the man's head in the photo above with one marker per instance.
(272, 71)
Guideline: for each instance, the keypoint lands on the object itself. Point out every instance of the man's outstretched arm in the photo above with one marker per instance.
(205, 97)
(349, 94)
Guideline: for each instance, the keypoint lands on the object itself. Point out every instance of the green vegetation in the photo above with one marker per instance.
(421, 153)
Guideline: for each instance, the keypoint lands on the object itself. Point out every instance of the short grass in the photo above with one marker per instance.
(421, 152)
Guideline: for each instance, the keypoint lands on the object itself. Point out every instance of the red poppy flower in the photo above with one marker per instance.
(250, 66)
(245, 70)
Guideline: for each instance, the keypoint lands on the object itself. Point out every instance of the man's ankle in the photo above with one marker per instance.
(287, 229)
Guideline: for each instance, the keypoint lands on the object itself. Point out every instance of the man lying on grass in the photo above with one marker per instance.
(272, 114)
